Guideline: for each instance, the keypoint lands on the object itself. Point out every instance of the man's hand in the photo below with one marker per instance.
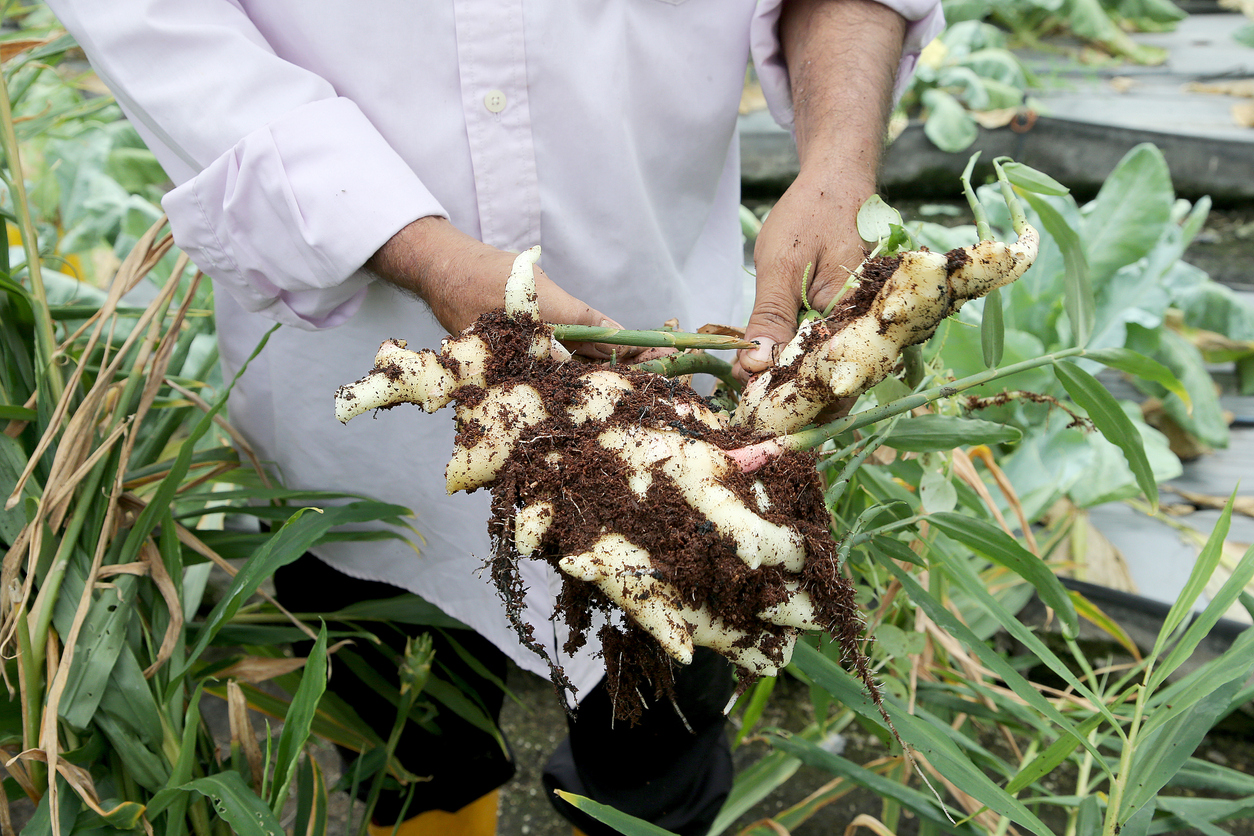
(460, 278)
(842, 59)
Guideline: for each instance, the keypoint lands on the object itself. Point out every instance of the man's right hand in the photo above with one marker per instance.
(460, 278)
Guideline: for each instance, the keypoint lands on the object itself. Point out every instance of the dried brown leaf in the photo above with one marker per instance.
(243, 733)
(1243, 115)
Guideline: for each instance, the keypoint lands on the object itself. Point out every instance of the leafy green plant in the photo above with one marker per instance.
(946, 554)
(966, 77)
(1101, 24)
(117, 470)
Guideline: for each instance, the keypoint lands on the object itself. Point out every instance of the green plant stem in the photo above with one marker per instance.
(675, 365)
(912, 359)
(647, 339)
(45, 336)
(811, 438)
(1120, 784)
(977, 209)
(1081, 785)
(32, 700)
(45, 601)
(1017, 219)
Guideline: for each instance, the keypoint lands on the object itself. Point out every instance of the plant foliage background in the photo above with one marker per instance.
(118, 472)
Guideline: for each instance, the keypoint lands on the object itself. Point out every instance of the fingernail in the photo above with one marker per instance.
(761, 354)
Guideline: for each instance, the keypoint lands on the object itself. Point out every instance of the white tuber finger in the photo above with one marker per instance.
(530, 526)
(698, 468)
(399, 376)
(520, 287)
(625, 574)
(497, 422)
(797, 611)
(924, 288)
(601, 391)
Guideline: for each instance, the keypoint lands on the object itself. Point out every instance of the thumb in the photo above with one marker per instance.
(772, 323)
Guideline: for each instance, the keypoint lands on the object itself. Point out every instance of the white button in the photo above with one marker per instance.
(494, 101)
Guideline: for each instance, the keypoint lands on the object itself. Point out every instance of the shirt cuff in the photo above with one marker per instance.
(924, 21)
(285, 219)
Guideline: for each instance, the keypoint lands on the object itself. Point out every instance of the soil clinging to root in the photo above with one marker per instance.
(562, 462)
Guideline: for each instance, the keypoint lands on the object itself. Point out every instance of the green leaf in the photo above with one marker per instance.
(753, 784)
(1203, 415)
(1001, 548)
(1203, 568)
(1234, 663)
(234, 802)
(1031, 180)
(995, 662)
(1078, 300)
(1138, 365)
(931, 741)
(932, 433)
(311, 799)
(1219, 604)
(876, 219)
(291, 541)
(966, 579)
(1111, 421)
(1130, 213)
(1162, 752)
(993, 329)
(753, 711)
(948, 125)
(620, 821)
(920, 803)
(300, 715)
(99, 643)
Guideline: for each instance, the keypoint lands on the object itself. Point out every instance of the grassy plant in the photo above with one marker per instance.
(116, 471)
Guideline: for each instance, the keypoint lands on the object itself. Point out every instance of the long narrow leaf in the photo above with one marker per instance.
(620, 821)
(1162, 752)
(921, 804)
(299, 717)
(1201, 626)
(1110, 419)
(1078, 299)
(932, 742)
(991, 659)
(1001, 548)
(1203, 569)
(234, 802)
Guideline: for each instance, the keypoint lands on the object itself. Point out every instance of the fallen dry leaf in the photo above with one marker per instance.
(10, 49)
(1241, 505)
(1122, 84)
(1241, 87)
(992, 119)
(1243, 115)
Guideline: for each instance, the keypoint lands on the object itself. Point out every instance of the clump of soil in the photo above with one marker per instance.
(562, 462)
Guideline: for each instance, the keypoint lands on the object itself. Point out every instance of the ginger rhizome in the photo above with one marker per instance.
(686, 526)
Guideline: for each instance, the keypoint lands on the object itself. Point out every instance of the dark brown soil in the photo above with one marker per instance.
(563, 463)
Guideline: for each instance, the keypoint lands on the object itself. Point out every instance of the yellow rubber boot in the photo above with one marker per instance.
(478, 818)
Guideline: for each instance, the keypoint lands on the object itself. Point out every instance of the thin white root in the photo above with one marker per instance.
(697, 469)
(925, 288)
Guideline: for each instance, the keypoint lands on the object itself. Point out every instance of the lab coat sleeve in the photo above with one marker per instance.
(283, 189)
(924, 21)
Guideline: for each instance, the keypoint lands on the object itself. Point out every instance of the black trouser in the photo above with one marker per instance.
(656, 770)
